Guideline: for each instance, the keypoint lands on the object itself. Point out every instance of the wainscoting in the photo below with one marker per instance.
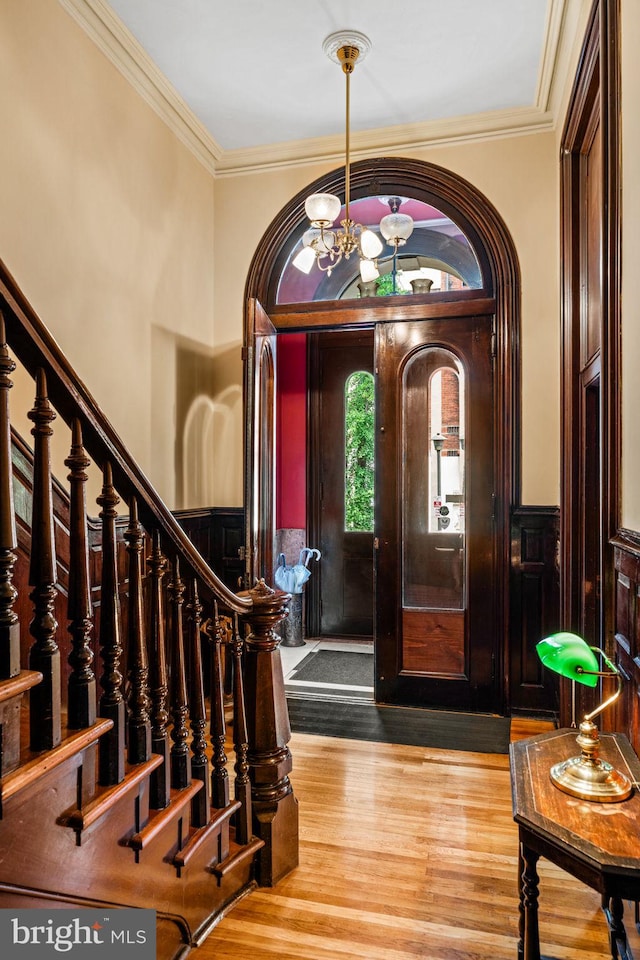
(534, 599)
(626, 715)
(218, 534)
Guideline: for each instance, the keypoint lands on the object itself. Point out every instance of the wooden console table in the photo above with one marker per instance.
(598, 843)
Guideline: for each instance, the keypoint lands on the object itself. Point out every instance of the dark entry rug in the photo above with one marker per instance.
(406, 725)
(342, 667)
(332, 675)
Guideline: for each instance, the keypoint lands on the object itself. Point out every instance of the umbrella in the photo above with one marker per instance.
(301, 569)
(292, 578)
(285, 576)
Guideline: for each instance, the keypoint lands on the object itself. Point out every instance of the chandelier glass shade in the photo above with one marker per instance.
(324, 244)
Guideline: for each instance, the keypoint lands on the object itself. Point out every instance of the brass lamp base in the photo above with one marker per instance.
(588, 777)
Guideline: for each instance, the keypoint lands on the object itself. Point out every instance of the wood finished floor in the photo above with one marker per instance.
(406, 852)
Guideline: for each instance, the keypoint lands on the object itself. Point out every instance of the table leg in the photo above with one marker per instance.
(529, 945)
(520, 904)
(614, 912)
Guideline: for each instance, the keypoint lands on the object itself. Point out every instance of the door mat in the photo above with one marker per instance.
(340, 667)
(332, 675)
(477, 733)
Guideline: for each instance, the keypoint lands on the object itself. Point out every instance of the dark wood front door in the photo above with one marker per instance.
(344, 578)
(436, 585)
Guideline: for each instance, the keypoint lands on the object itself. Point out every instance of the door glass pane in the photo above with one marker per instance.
(359, 412)
(438, 251)
(433, 481)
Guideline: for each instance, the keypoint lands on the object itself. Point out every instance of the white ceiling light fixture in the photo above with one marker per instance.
(323, 244)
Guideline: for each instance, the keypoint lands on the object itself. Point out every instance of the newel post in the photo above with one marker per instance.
(275, 808)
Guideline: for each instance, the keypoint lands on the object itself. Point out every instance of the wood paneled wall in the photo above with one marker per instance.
(626, 715)
(534, 606)
(218, 534)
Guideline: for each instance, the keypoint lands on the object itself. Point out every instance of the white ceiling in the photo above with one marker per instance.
(254, 73)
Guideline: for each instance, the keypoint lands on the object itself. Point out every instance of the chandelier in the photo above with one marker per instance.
(323, 244)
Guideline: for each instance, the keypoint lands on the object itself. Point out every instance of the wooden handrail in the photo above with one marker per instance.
(36, 349)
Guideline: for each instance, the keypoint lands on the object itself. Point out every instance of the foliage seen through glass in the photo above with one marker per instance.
(359, 452)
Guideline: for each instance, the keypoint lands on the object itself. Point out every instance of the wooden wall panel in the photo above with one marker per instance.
(433, 642)
(534, 606)
(625, 716)
(218, 534)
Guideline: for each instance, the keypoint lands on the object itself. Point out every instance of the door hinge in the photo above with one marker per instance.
(493, 666)
(376, 543)
(493, 506)
(494, 348)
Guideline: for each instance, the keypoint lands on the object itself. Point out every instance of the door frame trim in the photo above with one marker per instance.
(495, 249)
(596, 89)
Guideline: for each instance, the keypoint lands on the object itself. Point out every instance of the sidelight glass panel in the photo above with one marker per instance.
(359, 413)
(433, 481)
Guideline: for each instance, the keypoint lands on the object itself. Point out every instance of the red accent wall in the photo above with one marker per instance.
(291, 475)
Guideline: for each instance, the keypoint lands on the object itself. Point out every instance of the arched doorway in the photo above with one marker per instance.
(465, 325)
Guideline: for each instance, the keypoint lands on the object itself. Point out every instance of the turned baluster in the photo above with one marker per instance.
(528, 923)
(139, 723)
(275, 812)
(180, 757)
(82, 682)
(111, 700)
(160, 778)
(217, 728)
(9, 625)
(242, 785)
(44, 699)
(197, 712)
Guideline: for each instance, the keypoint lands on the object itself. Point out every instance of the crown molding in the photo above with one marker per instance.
(575, 19)
(549, 65)
(380, 142)
(117, 43)
(123, 50)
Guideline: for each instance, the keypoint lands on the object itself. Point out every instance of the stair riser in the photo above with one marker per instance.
(101, 868)
(10, 723)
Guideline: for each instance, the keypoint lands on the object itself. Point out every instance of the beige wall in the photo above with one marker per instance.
(519, 175)
(630, 269)
(107, 224)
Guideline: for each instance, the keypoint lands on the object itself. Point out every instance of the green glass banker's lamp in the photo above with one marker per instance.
(587, 776)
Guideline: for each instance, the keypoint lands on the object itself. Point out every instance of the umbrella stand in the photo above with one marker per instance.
(291, 627)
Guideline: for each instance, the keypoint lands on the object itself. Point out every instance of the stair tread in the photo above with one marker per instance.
(16, 686)
(237, 853)
(36, 765)
(177, 802)
(200, 834)
(81, 819)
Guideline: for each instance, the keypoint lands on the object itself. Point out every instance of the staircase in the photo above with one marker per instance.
(125, 778)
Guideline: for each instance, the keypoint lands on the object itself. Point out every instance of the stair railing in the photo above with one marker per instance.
(137, 707)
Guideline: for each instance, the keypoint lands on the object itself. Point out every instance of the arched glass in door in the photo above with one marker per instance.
(433, 481)
(438, 255)
(359, 465)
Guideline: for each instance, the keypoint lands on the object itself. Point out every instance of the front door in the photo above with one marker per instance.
(342, 481)
(436, 642)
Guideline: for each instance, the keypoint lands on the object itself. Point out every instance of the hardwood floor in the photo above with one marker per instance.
(405, 852)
